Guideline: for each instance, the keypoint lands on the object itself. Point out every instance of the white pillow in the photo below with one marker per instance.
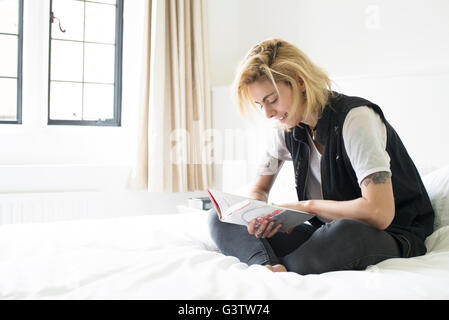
(437, 185)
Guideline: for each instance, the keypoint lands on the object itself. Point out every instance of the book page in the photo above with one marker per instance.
(243, 212)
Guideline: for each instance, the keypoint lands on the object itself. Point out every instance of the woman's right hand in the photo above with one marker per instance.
(264, 229)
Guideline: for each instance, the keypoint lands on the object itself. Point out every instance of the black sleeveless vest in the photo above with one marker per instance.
(414, 215)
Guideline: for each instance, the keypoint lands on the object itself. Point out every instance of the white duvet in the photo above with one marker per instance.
(172, 257)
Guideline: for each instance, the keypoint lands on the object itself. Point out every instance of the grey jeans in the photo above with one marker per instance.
(343, 244)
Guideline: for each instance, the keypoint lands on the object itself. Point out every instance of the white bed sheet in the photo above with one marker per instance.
(172, 257)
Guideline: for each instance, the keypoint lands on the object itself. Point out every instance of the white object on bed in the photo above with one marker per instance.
(437, 186)
(172, 257)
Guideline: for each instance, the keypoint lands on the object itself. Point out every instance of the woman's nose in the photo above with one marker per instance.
(269, 112)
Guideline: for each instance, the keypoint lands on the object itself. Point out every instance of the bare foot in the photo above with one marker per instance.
(276, 268)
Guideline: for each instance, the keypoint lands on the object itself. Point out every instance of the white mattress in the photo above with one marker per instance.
(172, 257)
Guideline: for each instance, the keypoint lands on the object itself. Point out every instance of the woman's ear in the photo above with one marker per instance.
(301, 85)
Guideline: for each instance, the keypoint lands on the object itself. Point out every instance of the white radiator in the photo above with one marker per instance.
(59, 206)
(44, 207)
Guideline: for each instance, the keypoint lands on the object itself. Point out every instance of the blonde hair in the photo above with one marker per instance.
(279, 61)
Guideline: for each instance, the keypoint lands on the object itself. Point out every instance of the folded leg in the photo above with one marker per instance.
(342, 245)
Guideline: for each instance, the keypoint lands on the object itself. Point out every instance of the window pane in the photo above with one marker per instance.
(8, 102)
(8, 56)
(98, 102)
(65, 101)
(71, 15)
(83, 61)
(99, 63)
(9, 16)
(66, 60)
(100, 23)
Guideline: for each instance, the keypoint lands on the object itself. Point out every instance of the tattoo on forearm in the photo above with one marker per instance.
(377, 178)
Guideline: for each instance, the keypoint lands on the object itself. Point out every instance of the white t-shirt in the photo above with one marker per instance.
(365, 140)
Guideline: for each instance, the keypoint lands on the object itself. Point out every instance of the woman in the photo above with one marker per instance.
(351, 170)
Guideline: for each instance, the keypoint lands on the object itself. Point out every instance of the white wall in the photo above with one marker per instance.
(345, 37)
(236, 25)
(362, 37)
(68, 157)
(395, 53)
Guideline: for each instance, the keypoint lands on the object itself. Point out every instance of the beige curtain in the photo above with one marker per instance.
(175, 111)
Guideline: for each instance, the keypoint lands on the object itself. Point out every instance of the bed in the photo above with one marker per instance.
(171, 256)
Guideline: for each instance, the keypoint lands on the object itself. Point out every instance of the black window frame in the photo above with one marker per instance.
(19, 68)
(118, 69)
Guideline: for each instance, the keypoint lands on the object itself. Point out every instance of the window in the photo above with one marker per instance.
(85, 67)
(11, 43)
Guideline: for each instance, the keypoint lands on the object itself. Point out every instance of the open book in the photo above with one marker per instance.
(240, 210)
